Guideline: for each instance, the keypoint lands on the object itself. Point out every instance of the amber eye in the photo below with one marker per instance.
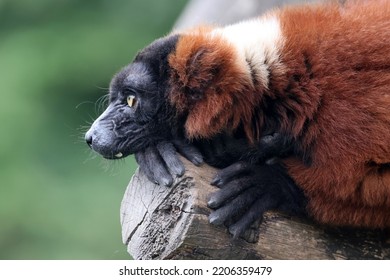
(131, 100)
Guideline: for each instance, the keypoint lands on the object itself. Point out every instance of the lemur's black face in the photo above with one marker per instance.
(139, 113)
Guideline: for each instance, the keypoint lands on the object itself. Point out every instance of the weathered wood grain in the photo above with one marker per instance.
(172, 223)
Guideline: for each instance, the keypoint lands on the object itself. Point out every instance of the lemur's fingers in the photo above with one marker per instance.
(255, 212)
(234, 208)
(229, 173)
(154, 167)
(189, 152)
(245, 198)
(171, 159)
(140, 158)
(229, 190)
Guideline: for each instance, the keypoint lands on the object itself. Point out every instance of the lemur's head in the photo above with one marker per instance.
(193, 82)
(138, 113)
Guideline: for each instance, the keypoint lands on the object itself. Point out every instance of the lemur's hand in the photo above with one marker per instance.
(247, 191)
(161, 162)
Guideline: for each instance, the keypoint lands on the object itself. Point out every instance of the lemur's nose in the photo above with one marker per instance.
(88, 138)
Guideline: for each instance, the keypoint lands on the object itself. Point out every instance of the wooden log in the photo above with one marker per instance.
(172, 223)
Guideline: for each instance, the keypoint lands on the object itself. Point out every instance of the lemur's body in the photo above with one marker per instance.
(318, 76)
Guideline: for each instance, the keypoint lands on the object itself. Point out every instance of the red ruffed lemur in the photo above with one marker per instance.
(306, 86)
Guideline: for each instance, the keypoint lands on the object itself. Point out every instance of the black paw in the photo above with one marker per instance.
(189, 151)
(247, 191)
(161, 163)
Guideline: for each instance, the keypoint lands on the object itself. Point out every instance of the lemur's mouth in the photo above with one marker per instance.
(112, 156)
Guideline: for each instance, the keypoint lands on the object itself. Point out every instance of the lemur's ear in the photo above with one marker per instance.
(208, 82)
(196, 77)
(195, 67)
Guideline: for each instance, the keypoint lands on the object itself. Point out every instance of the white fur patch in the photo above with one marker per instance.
(258, 42)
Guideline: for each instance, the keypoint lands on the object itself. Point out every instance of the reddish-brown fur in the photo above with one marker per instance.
(348, 48)
(334, 99)
(206, 66)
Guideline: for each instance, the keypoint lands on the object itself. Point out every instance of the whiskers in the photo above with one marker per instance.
(83, 103)
(90, 155)
(101, 104)
(81, 131)
(111, 167)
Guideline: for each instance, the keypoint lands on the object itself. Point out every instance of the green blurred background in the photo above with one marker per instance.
(58, 200)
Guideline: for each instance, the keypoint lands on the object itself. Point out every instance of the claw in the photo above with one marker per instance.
(197, 160)
(212, 203)
(216, 181)
(236, 231)
(215, 219)
(166, 182)
(189, 151)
